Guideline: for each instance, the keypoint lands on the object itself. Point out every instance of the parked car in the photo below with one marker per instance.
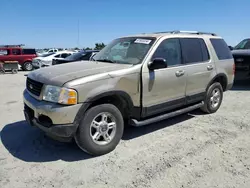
(136, 80)
(80, 56)
(24, 56)
(52, 50)
(45, 60)
(241, 54)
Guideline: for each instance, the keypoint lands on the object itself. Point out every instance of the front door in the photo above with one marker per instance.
(164, 89)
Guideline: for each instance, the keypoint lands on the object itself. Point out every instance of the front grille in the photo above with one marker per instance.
(34, 87)
(243, 64)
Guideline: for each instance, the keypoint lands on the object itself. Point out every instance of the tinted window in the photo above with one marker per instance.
(221, 49)
(170, 50)
(29, 51)
(65, 55)
(191, 50)
(58, 55)
(86, 56)
(16, 51)
(205, 55)
(245, 44)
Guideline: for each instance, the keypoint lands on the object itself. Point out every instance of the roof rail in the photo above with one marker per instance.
(189, 32)
(11, 45)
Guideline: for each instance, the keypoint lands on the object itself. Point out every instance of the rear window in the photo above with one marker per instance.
(4, 52)
(194, 50)
(29, 51)
(221, 49)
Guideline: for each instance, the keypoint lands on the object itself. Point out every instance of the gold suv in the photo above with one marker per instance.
(135, 80)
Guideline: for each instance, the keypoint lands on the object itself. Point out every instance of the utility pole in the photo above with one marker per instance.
(78, 34)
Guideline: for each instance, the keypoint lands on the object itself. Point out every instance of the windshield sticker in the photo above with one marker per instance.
(142, 41)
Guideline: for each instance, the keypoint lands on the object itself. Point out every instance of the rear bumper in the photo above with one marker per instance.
(229, 86)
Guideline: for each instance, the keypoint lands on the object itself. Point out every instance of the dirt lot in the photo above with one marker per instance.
(192, 150)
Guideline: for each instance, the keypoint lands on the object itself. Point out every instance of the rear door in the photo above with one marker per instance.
(200, 68)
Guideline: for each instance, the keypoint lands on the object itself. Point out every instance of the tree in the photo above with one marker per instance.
(87, 48)
(99, 46)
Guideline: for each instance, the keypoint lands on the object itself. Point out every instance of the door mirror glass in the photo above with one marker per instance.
(157, 63)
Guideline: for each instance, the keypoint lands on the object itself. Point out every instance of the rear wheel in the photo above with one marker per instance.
(100, 129)
(213, 98)
(27, 66)
(14, 71)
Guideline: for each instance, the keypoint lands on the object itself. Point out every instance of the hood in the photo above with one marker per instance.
(58, 75)
(241, 52)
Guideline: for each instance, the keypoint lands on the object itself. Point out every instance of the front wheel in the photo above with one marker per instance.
(213, 98)
(27, 66)
(100, 130)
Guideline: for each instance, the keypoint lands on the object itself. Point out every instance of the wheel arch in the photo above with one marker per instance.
(119, 98)
(222, 79)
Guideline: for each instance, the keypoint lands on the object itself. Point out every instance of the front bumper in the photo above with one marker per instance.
(55, 119)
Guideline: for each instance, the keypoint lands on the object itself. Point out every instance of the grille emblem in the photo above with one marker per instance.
(31, 87)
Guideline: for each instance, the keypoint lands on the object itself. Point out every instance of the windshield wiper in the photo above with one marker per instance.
(105, 60)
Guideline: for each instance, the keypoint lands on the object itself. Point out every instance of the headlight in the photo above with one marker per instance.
(60, 95)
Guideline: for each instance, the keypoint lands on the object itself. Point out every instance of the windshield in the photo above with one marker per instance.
(245, 44)
(129, 50)
(75, 56)
(46, 55)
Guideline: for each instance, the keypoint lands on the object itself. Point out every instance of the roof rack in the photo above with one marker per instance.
(189, 32)
(11, 45)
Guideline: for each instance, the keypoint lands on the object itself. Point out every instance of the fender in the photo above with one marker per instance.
(96, 97)
(108, 93)
(217, 76)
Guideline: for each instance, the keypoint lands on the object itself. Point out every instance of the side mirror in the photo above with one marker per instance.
(230, 47)
(157, 63)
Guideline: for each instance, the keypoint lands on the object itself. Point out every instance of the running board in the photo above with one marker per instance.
(136, 123)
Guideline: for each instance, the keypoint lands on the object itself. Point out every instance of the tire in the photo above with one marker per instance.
(27, 66)
(85, 134)
(208, 106)
(2, 71)
(14, 71)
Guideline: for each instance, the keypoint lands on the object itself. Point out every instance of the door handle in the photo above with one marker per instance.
(179, 73)
(210, 67)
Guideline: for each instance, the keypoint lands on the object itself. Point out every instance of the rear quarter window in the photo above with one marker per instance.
(29, 51)
(221, 49)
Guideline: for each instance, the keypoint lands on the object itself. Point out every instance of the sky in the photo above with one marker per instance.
(55, 23)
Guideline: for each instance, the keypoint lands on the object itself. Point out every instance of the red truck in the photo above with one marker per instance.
(24, 56)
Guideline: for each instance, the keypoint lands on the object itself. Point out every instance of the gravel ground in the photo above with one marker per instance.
(191, 150)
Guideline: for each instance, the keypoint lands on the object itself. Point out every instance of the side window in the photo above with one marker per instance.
(205, 54)
(86, 56)
(16, 51)
(170, 50)
(221, 49)
(29, 51)
(247, 45)
(4, 52)
(191, 50)
(65, 55)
